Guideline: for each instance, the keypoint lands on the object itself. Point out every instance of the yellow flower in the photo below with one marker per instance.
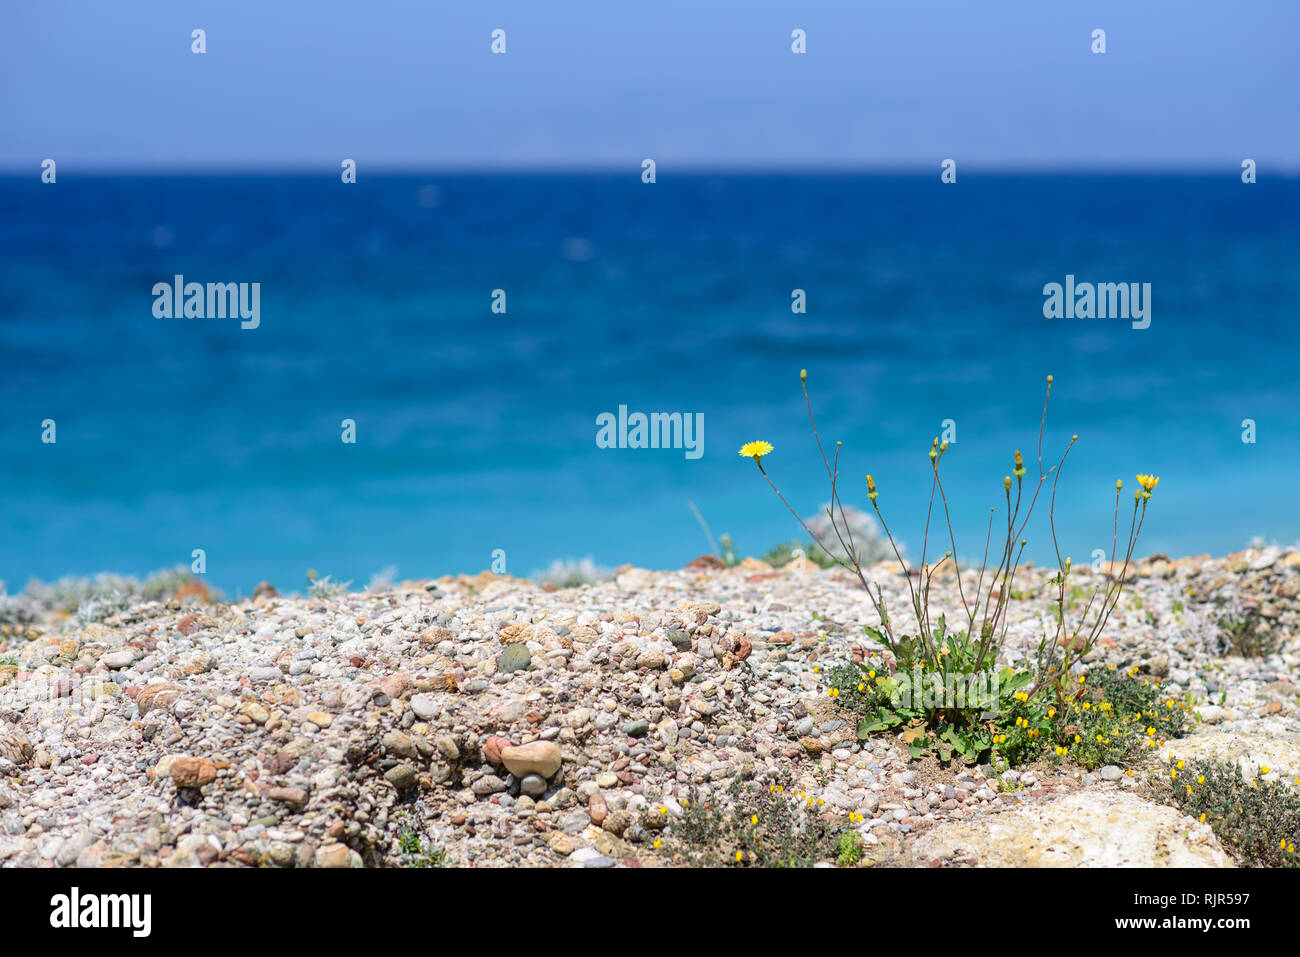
(658, 842)
(755, 450)
(1051, 712)
(1202, 818)
(1200, 779)
(739, 857)
(1264, 769)
(1148, 482)
(754, 820)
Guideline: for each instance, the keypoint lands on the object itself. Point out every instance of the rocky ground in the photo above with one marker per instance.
(501, 723)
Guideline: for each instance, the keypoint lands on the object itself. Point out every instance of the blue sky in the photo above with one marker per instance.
(411, 83)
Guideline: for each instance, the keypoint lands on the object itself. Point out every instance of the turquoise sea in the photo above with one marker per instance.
(476, 430)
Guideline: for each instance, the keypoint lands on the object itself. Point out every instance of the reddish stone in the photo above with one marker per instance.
(743, 647)
(193, 589)
(492, 748)
(394, 685)
(186, 624)
(598, 810)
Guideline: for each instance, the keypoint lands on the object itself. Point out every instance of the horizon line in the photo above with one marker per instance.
(633, 169)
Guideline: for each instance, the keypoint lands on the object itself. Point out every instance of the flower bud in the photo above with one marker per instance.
(1006, 483)
(803, 375)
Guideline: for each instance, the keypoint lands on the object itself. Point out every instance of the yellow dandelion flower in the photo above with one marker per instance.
(755, 450)
(1148, 482)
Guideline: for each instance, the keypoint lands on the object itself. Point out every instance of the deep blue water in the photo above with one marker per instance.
(477, 431)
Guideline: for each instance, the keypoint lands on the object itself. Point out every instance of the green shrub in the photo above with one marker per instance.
(1258, 820)
(756, 826)
(1115, 717)
(1015, 707)
(1247, 633)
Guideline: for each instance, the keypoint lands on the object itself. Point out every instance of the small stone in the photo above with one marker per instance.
(424, 706)
(401, 777)
(191, 772)
(446, 746)
(488, 784)
(652, 659)
(493, 747)
(1111, 773)
(288, 795)
(539, 757)
(255, 712)
(636, 729)
(334, 856)
(516, 657)
(122, 658)
(534, 785)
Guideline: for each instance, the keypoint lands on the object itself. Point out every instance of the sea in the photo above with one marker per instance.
(433, 353)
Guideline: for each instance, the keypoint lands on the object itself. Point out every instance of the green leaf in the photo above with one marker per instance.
(869, 726)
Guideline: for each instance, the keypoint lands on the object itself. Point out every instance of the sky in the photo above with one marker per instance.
(599, 84)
